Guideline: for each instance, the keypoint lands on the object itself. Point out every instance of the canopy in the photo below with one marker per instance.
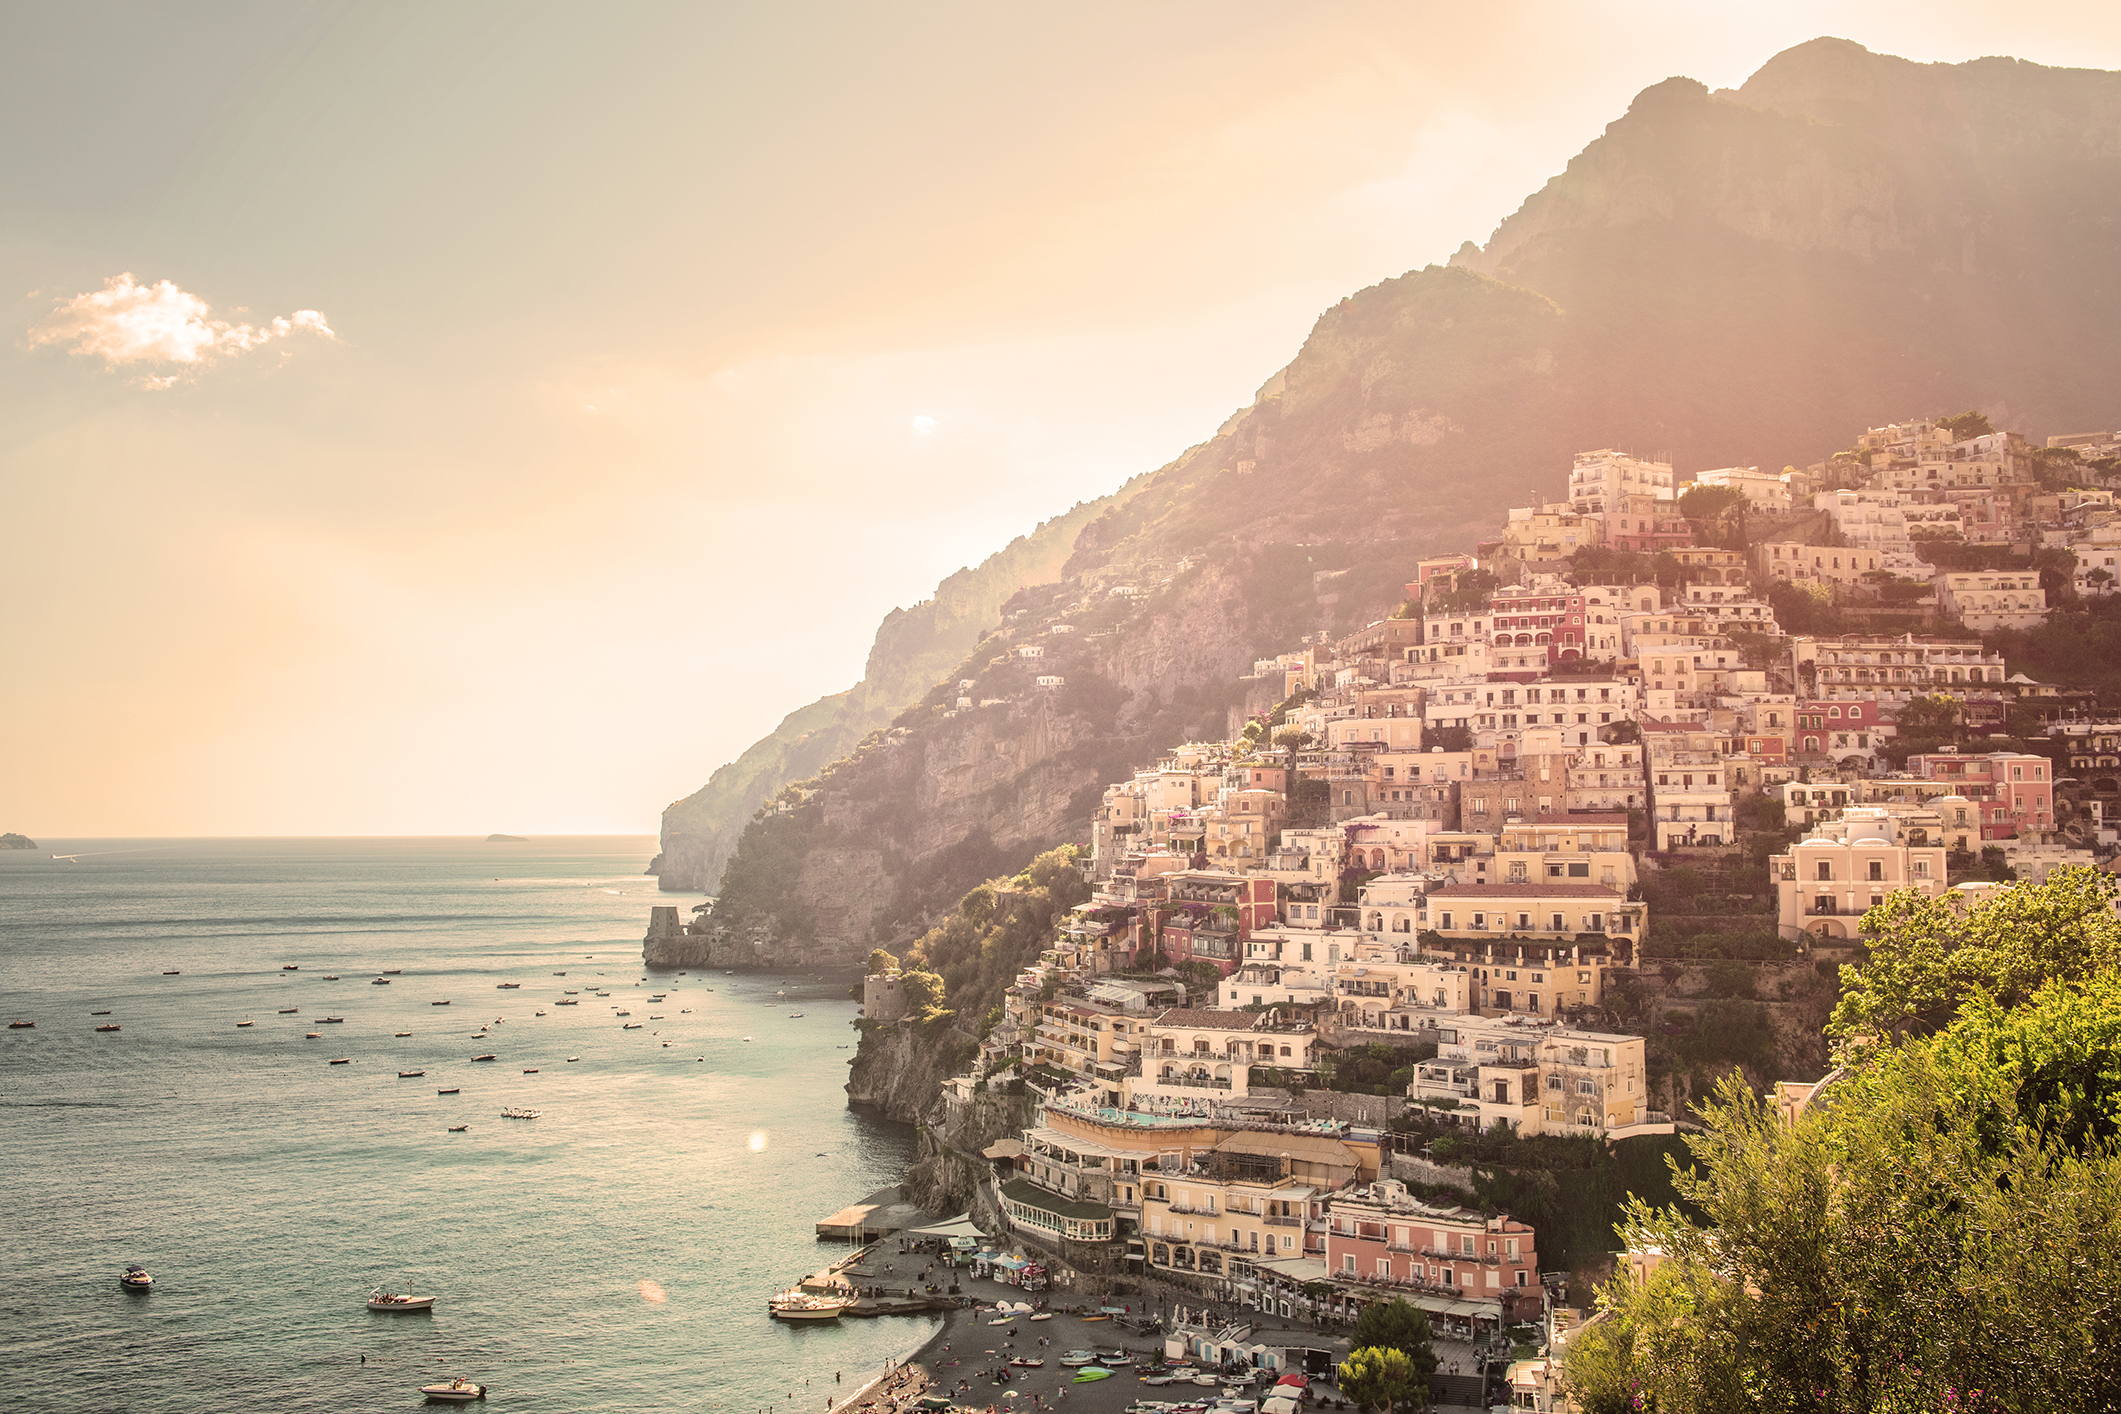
(959, 1226)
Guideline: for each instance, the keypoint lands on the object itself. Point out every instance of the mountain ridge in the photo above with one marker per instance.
(1721, 280)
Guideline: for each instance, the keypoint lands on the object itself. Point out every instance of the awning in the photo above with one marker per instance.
(959, 1226)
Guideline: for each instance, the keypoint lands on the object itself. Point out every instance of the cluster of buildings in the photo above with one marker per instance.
(1434, 832)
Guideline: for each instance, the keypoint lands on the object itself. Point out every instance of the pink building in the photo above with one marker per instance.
(2016, 791)
(1445, 1260)
(1212, 915)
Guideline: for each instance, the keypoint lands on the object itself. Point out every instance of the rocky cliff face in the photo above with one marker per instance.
(1737, 278)
(912, 646)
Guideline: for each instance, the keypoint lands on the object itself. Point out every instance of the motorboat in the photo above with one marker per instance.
(793, 1015)
(312, 1035)
(572, 1059)
(410, 1074)
(1074, 1358)
(476, 1059)
(521, 1114)
(800, 1305)
(290, 967)
(506, 986)
(459, 1128)
(532, 1071)
(380, 982)
(622, 1013)
(241, 1024)
(631, 1026)
(342, 1060)
(381, 1300)
(108, 1026)
(173, 972)
(1115, 1357)
(452, 1090)
(457, 1391)
(541, 1013)
(333, 1021)
(99, 1013)
(559, 974)
(290, 1011)
(331, 976)
(567, 1001)
(136, 1279)
(401, 1034)
(392, 971)
(22, 1026)
(440, 1003)
(1028, 1363)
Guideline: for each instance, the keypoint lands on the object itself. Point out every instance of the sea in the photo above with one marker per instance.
(615, 1253)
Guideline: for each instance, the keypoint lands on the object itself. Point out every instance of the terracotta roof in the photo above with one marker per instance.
(1502, 891)
(1209, 1019)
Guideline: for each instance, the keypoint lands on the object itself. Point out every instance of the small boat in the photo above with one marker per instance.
(241, 1024)
(392, 971)
(559, 974)
(570, 991)
(290, 1010)
(1004, 1321)
(342, 1060)
(452, 1090)
(380, 982)
(312, 1035)
(506, 986)
(654, 1018)
(793, 1014)
(1036, 1315)
(572, 1059)
(685, 1011)
(800, 1305)
(401, 1033)
(629, 1026)
(22, 1026)
(1028, 1363)
(410, 1074)
(1078, 1357)
(538, 1013)
(136, 1279)
(331, 976)
(747, 1038)
(108, 1026)
(521, 1114)
(482, 1058)
(459, 1128)
(438, 1003)
(381, 1300)
(333, 1021)
(532, 1071)
(289, 967)
(99, 1013)
(567, 1001)
(623, 1013)
(173, 972)
(458, 1391)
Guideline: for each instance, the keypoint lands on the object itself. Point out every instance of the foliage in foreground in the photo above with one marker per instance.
(1939, 1230)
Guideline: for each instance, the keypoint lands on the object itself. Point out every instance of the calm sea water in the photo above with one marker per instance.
(614, 1254)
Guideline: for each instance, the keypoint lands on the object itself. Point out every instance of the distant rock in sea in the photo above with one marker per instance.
(506, 839)
(15, 841)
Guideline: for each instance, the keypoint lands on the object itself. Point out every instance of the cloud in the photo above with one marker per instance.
(126, 323)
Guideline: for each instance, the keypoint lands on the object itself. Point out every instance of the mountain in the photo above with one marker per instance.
(912, 648)
(1745, 277)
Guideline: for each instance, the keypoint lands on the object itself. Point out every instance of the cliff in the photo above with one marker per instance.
(912, 647)
(1733, 278)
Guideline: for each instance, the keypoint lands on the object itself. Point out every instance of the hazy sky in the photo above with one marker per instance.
(493, 416)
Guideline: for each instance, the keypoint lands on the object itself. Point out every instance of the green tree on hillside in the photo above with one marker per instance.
(1383, 1379)
(1398, 1325)
(881, 961)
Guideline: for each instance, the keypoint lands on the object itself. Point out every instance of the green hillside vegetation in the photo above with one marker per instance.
(995, 932)
(1941, 1228)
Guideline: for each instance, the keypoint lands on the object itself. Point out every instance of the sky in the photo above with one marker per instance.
(493, 416)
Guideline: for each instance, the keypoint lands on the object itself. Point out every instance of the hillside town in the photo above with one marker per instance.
(1617, 735)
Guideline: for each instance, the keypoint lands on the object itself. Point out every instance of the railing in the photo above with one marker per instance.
(1189, 1082)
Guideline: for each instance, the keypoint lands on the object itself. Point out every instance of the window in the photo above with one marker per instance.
(1826, 870)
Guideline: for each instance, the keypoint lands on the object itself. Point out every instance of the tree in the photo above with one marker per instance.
(1383, 1378)
(1966, 426)
(881, 961)
(923, 990)
(1708, 502)
(1928, 955)
(1290, 737)
(1398, 1325)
